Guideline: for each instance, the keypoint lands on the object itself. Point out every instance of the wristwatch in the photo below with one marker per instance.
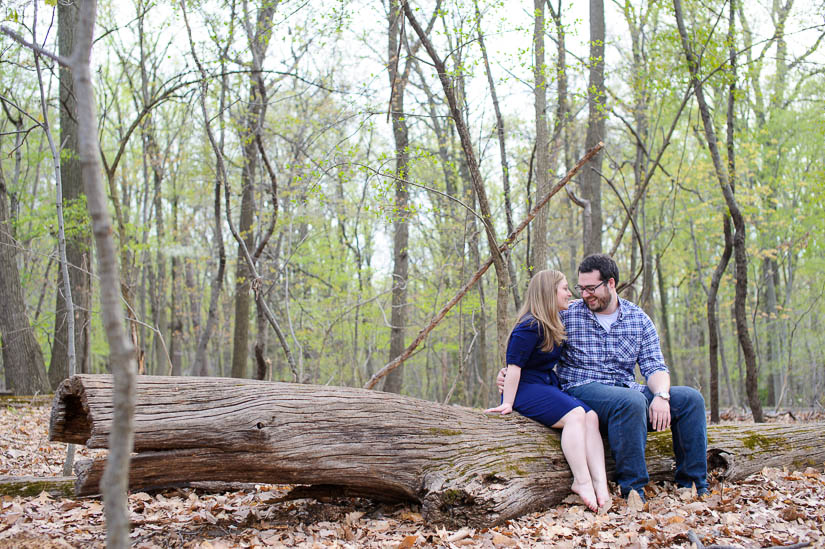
(664, 395)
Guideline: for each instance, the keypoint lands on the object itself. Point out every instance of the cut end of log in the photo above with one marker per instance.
(69, 420)
(720, 463)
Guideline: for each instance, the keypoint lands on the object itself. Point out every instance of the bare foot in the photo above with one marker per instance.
(603, 498)
(586, 492)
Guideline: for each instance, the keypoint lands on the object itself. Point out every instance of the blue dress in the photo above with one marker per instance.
(539, 395)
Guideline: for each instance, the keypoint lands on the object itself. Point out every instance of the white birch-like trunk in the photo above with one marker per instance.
(61, 237)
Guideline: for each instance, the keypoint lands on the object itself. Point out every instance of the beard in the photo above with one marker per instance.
(597, 303)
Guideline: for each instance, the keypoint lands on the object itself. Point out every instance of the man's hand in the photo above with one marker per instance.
(503, 409)
(660, 414)
(500, 380)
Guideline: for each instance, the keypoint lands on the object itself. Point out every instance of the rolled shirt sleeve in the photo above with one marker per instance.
(650, 357)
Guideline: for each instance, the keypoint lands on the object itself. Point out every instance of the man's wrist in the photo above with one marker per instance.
(664, 395)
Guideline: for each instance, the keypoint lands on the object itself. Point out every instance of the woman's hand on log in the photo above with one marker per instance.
(502, 409)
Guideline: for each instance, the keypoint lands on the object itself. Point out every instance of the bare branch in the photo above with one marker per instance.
(34, 47)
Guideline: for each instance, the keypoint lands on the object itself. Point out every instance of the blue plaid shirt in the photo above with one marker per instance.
(592, 354)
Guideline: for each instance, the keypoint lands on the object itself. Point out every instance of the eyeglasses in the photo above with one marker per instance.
(588, 289)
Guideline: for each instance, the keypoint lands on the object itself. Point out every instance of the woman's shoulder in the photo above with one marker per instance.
(528, 323)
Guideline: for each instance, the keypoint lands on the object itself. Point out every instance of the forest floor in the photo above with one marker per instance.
(773, 508)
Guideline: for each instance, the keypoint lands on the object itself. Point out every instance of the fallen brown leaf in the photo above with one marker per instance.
(407, 542)
(410, 516)
(634, 501)
(500, 540)
(461, 534)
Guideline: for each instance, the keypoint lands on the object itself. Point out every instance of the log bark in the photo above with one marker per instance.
(462, 466)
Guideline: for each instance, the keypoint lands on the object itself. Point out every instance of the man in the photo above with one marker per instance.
(606, 337)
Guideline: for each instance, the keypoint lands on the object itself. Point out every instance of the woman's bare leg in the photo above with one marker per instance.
(574, 446)
(595, 458)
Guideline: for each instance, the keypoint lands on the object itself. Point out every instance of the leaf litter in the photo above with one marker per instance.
(772, 508)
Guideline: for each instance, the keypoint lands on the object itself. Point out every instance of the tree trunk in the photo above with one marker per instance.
(240, 339)
(591, 178)
(665, 321)
(261, 363)
(713, 322)
(637, 22)
(464, 467)
(561, 131)
(176, 302)
(258, 39)
(772, 335)
(505, 168)
(400, 244)
(201, 366)
(258, 35)
(23, 363)
(78, 241)
(539, 244)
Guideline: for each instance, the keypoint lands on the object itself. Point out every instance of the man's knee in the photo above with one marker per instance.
(631, 402)
(687, 399)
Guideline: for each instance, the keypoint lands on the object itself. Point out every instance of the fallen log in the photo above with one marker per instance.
(464, 467)
(34, 486)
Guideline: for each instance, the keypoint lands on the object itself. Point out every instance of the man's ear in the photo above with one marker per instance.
(611, 283)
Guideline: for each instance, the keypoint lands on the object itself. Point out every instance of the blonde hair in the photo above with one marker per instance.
(541, 301)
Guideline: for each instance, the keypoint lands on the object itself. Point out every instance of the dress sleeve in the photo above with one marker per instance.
(522, 342)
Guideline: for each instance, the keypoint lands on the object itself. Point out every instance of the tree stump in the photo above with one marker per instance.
(463, 466)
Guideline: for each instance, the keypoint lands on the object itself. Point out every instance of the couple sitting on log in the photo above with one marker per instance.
(594, 344)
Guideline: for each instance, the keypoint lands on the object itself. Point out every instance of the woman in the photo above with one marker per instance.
(532, 389)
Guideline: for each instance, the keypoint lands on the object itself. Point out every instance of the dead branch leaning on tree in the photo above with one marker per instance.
(508, 243)
(502, 273)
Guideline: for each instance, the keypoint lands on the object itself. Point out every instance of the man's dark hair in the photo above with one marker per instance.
(603, 263)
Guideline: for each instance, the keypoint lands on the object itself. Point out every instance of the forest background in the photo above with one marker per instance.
(368, 191)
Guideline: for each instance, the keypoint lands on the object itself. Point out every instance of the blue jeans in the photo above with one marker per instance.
(623, 414)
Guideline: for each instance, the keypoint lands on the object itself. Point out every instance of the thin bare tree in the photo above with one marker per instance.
(739, 236)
